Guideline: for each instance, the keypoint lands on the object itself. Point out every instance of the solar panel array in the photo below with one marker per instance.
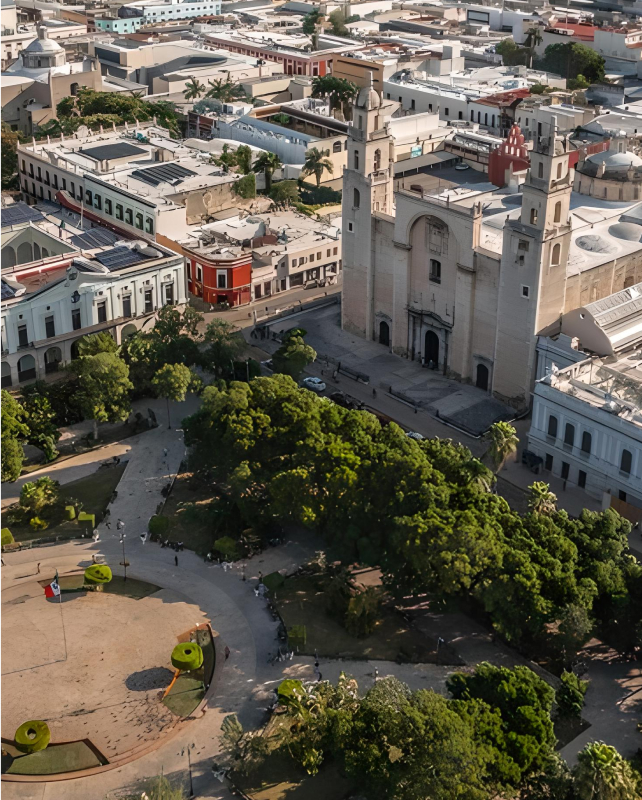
(106, 152)
(7, 291)
(96, 237)
(20, 212)
(119, 257)
(163, 173)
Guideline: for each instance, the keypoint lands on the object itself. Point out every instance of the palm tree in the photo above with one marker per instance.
(226, 90)
(194, 89)
(503, 442)
(602, 774)
(316, 162)
(533, 40)
(478, 475)
(346, 92)
(267, 163)
(541, 500)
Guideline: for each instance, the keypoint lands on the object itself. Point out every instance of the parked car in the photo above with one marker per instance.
(345, 401)
(314, 384)
(416, 436)
(462, 166)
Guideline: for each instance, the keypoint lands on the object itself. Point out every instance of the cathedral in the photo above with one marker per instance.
(464, 281)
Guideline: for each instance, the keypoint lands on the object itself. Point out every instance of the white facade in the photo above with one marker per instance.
(585, 444)
(163, 12)
(40, 328)
(421, 97)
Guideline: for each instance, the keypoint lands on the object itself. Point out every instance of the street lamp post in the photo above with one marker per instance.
(186, 749)
(122, 541)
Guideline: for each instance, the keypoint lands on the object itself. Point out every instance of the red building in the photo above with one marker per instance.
(511, 156)
(220, 277)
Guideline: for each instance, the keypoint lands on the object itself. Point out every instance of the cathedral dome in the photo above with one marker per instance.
(626, 230)
(43, 44)
(614, 160)
(368, 98)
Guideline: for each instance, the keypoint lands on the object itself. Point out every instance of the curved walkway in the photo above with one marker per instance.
(241, 619)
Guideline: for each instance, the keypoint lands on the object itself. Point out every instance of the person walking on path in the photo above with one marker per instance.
(227, 652)
(38, 569)
(176, 561)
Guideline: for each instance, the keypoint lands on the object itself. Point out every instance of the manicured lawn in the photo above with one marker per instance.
(188, 690)
(130, 588)
(67, 757)
(94, 492)
(279, 778)
(301, 601)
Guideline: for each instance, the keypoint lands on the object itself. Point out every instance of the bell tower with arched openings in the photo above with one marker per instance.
(533, 267)
(367, 190)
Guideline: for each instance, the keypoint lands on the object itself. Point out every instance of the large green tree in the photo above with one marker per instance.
(10, 140)
(14, 431)
(510, 711)
(267, 163)
(173, 381)
(602, 774)
(293, 356)
(573, 59)
(104, 387)
(223, 344)
(40, 418)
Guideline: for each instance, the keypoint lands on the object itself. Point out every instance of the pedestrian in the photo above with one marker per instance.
(108, 525)
(96, 536)
(2, 560)
(143, 537)
(38, 571)
(120, 525)
(227, 652)
(260, 577)
(180, 546)
(165, 452)
(175, 561)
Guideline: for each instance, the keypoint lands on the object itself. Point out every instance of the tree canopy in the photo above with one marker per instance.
(571, 60)
(422, 511)
(14, 431)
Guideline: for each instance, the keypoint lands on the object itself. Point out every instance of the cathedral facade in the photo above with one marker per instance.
(420, 278)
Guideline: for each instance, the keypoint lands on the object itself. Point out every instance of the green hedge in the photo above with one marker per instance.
(245, 187)
(7, 537)
(32, 736)
(311, 194)
(98, 573)
(85, 517)
(228, 548)
(187, 656)
(158, 525)
(70, 512)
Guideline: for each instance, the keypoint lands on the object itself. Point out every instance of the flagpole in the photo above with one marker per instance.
(62, 619)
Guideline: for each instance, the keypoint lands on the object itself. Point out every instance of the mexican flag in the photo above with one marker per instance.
(53, 589)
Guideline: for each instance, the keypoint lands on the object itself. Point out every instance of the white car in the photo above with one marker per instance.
(314, 384)
(461, 166)
(416, 436)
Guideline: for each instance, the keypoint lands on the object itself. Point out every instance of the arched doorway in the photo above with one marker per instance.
(74, 348)
(129, 330)
(53, 357)
(26, 368)
(431, 348)
(25, 253)
(6, 375)
(481, 381)
(384, 333)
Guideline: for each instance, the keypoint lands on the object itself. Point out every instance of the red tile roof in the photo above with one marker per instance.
(504, 98)
(579, 30)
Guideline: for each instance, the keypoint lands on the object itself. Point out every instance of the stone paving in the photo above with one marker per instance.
(246, 680)
(454, 402)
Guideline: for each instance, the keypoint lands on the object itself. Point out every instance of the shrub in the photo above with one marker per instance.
(570, 695)
(158, 525)
(37, 495)
(187, 656)
(38, 524)
(245, 187)
(274, 581)
(98, 573)
(322, 195)
(85, 517)
(70, 512)
(7, 537)
(32, 736)
(363, 612)
(228, 548)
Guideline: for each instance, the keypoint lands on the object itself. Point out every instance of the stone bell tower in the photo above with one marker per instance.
(533, 267)
(367, 190)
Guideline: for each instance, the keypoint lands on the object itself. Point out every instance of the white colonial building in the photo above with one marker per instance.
(587, 416)
(94, 282)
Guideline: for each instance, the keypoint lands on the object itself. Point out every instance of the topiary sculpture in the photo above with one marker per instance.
(32, 736)
(98, 573)
(187, 656)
